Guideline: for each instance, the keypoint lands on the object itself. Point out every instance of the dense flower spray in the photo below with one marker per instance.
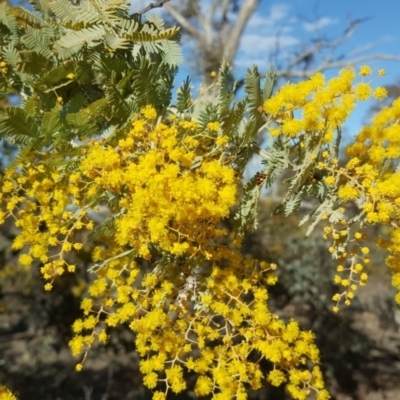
(165, 263)
(199, 295)
(313, 109)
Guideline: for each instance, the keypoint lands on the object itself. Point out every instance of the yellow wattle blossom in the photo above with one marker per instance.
(314, 105)
(307, 112)
(6, 394)
(159, 166)
(204, 386)
(149, 112)
(380, 93)
(148, 267)
(330, 180)
(363, 91)
(365, 70)
(213, 126)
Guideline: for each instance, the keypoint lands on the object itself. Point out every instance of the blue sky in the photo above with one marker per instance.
(299, 20)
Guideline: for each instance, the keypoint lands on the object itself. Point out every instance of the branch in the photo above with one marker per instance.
(247, 10)
(181, 20)
(325, 65)
(306, 63)
(225, 8)
(159, 3)
(206, 22)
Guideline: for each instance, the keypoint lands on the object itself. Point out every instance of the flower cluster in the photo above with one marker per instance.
(314, 107)
(375, 178)
(153, 169)
(3, 67)
(163, 263)
(6, 394)
(222, 339)
(370, 180)
(311, 114)
(40, 203)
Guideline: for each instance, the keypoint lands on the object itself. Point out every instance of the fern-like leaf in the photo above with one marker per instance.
(9, 20)
(10, 54)
(226, 88)
(231, 119)
(172, 53)
(128, 26)
(114, 42)
(32, 62)
(30, 18)
(184, 96)
(79, 38)
(269, 83)
(246, 215)
(70, 14)
(55, 75)
(148, 35)
(50, 121)
(17, 123)
(39, 40)
(253, 92)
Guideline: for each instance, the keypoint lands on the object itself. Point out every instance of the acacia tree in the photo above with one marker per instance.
(97, 127)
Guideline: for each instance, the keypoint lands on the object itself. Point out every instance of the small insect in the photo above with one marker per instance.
(260, 178)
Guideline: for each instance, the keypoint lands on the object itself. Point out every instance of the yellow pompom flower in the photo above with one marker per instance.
(365, 70)
(380, 93)
(149, 112)
(203, 386)
(6, 394)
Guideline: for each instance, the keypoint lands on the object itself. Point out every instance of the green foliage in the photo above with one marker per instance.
(18, 125)
(253, 92)
(226, 87)
(246, 217)
(8, 22)
(85, 69)
(184, 98)
(269, 83)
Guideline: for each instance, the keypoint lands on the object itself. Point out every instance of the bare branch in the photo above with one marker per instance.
(225, 7)
(207, 24)
(301, 65)
(185, 23)
(246, 11)
(158, 4)
(320, 44)
(336, 64)
(363, 49)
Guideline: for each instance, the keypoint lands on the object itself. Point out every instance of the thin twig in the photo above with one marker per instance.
(158, 4)
(185, 23)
